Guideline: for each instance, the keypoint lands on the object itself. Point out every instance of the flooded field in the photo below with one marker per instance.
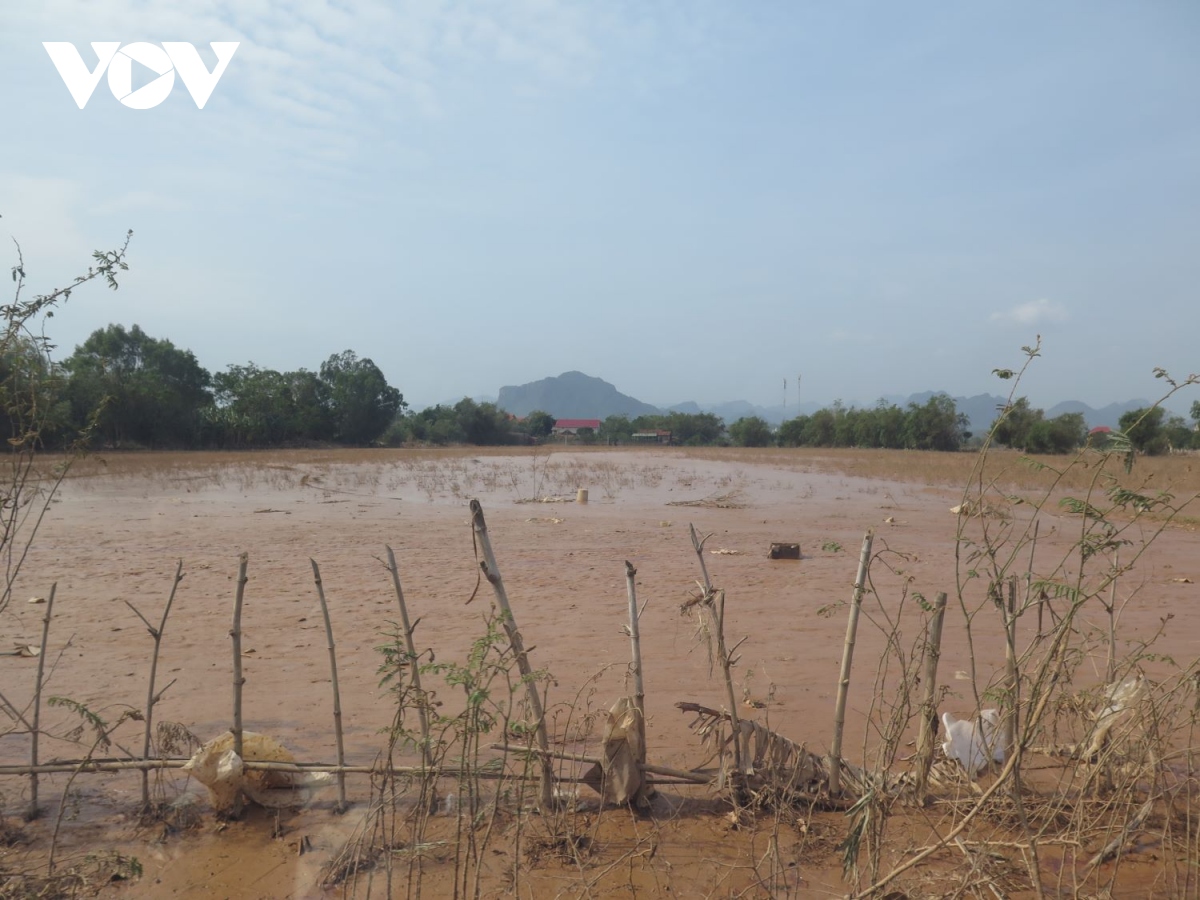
(120, 526)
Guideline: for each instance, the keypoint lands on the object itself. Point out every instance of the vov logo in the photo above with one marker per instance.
(164, 61)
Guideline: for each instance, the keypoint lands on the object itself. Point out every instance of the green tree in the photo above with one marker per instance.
(539, 424)
(262, 407)
(482, 424)
(255, 405)
(751, 431)
(889, 420)
(436, 425)
(820, 429)
(935, 425)
(149, 391)
(616, 428)
(1179, 436)
(1062, 434)
(791, 432)
(310, 398)
(1014, 423)
(692, 429)
(361, 402)
(1144, 428)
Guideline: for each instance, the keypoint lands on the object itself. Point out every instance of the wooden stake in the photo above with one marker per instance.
(1112, 622)
(337, 697)
(151, 699)
(1029, 578)
(639, 689)
(422, 700)
(839, 713)
(1014, 684)
(491, 572)
(928, 720)
(236, 634)
(37, 706)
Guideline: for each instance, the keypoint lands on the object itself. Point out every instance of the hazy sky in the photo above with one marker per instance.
(692, 200)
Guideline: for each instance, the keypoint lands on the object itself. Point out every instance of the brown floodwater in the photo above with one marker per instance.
(112, 539)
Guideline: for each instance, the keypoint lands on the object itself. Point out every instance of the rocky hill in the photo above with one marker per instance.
(572, 395)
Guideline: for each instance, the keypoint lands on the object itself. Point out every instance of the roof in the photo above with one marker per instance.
(577, 423)
(1101, 429)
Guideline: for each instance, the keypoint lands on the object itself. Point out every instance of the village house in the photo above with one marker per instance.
(572, 426)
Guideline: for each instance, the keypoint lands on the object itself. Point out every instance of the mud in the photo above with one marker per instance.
(112, 538)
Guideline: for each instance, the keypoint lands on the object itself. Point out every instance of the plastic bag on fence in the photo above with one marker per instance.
(219, 769)
(619, 778)
(974, 743)
(1119, 704)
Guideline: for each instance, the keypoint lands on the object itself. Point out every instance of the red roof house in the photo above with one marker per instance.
(572, 426)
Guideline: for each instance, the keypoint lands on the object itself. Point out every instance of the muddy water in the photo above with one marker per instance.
(109, 540)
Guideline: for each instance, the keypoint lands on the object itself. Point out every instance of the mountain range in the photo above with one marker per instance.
(576, 395)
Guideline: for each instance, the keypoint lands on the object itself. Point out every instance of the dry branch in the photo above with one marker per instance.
(641, 799)
(728, 500)
(491, 571)
(928, 715)
(236, 634)
(414, 669)
(151, 697)
(35, 729)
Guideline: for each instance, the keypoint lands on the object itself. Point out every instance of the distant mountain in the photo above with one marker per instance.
(1106, 415)
(982, 409)
(572, 395)
(730, 412)
(576, 395)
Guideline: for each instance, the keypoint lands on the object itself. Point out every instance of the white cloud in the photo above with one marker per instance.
(1035, 312)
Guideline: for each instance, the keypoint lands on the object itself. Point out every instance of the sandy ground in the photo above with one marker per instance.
(116, 538)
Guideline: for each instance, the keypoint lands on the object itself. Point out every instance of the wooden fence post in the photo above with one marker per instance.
(839, 713)
(491, 572)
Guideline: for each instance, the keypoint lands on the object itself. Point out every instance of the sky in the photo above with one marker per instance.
(692, 200)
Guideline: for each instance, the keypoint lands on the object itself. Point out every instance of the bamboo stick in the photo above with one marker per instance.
(337, 697)
(839, 713)
(151, 699)
(14, 713)
(1029, 578)
(88, 767)
(35, 729)
(639, 689)
(491, 571)
(1011, 717)
(1112, 621)
(236, 634)
(928, 721)
(422, 700)
(680, 774)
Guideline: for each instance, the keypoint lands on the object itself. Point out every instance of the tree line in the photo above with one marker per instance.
(937, 425)
(124, 388)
